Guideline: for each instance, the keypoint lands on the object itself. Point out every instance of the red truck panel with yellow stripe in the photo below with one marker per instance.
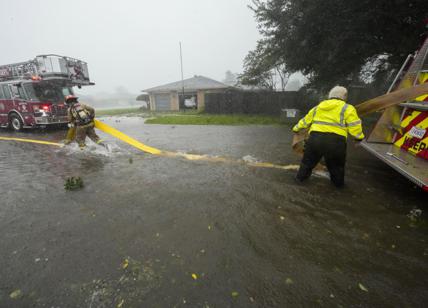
(414, 127)
(414, 137)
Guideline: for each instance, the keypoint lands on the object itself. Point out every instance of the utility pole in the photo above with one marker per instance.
(182, 78)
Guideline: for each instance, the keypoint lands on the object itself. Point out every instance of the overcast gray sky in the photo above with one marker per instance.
(131, 43)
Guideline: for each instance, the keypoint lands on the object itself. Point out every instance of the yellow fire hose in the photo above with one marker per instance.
(32, 141)
(137, 144)
(125, 138)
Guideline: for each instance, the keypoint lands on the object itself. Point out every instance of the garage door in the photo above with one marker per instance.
(163, 102)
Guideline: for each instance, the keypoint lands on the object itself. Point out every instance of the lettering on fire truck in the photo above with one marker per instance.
(414, 144)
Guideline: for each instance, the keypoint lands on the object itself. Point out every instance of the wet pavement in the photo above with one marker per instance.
(151, 231)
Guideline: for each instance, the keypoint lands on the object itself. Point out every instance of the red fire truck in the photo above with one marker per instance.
(32, 92)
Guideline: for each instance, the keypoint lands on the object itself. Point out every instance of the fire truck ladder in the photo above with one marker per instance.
(418, 65)
(48, 67)
(17, 71)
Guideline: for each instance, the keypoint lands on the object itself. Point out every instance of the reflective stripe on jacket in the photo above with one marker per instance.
(332, 116)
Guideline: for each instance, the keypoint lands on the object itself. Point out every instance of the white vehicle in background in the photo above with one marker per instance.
(190, 102)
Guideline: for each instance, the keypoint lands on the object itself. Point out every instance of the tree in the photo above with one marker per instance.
(331, 41)
(230, 78)
(265, 69)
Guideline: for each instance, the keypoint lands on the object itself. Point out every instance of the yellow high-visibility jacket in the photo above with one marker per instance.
(332, 116)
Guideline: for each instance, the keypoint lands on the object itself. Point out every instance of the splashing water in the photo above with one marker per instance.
(249, 159)
(111, 149)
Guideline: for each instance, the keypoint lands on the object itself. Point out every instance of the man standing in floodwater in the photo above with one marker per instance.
(329, 124)
(81, 119)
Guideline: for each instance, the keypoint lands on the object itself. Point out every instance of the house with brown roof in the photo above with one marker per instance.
(179, 95)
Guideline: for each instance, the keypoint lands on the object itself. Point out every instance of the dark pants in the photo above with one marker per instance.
(330, 146)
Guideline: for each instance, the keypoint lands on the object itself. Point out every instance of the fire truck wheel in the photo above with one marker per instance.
(15, 122)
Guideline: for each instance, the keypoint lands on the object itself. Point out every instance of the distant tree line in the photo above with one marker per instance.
(333, 41)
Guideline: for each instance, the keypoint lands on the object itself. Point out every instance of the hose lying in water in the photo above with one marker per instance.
(145, 148)
(32, 141)
(137, 144)
(125, 138)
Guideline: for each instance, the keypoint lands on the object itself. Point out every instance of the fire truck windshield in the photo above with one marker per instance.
(46, 92)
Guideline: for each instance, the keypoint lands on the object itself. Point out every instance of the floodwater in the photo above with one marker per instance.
(152, 231)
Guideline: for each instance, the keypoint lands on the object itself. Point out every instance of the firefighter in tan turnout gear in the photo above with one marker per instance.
(329, 124)
(81, 119)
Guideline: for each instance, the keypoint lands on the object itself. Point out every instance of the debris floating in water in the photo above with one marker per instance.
(125, 263)
(121, 303)
(289, 281)
(414, 214)
(363, 288)
(16, 294)
(194, 276)
(73, 183)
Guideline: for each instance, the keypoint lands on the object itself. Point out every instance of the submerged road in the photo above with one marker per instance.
(153, 231)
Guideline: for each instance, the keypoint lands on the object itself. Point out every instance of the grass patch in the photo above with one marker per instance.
(191, 117)
(115, 112)
(213, 119)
